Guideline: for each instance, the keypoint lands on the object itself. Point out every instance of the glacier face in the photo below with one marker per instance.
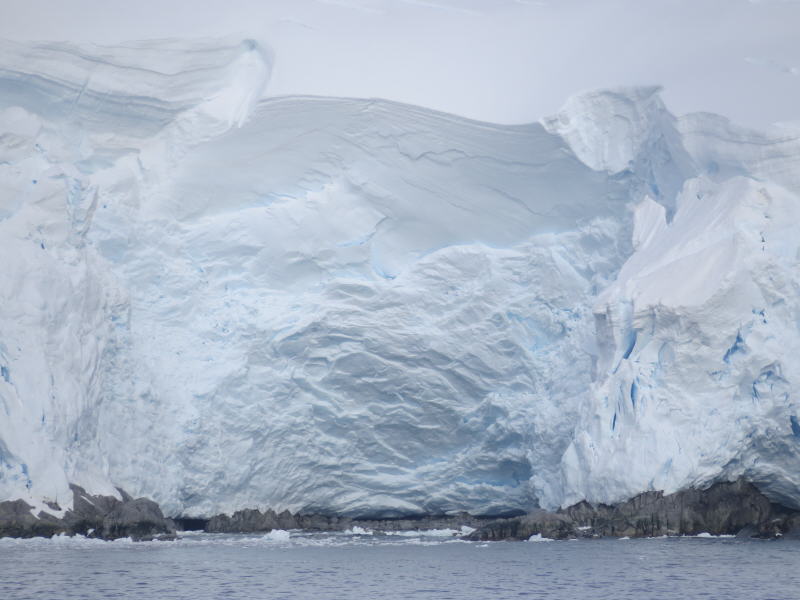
(221, 300)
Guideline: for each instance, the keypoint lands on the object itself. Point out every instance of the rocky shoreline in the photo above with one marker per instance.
(254, 521)
(94, 516)
(728, 508)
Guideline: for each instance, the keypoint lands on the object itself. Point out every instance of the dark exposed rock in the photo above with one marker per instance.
(103, 517)
(729, 508)
(254, 521)
(724, 508)
(138, 519)
(547, 524)
(16, 520)
(793, 527)
(422, 523)
(109, 518)
(737, 508)
(251, 521)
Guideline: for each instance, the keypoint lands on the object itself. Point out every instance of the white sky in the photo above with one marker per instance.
(495, 60)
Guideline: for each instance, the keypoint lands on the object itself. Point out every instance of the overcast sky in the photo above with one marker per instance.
(496, 60)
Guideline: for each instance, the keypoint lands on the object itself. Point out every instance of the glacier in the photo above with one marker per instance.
(222, 299)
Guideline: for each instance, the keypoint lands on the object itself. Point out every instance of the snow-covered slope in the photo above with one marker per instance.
(221, 300)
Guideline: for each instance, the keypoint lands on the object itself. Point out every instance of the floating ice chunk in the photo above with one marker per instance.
(277, 535)
(427, 533)
(356, 530)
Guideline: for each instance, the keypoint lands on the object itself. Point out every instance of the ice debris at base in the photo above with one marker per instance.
(223, 300)
(277, 535)
(356, 530)
(445, 533)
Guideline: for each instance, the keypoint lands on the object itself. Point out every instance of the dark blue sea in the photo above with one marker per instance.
(435, 565)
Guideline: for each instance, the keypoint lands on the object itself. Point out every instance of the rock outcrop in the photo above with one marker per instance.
(252, 521)
(16, 520)
(728, 508)
(104, 517)
(255, 521)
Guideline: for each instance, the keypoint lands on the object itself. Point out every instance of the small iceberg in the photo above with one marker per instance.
(277, 535)
(466, 529)
(356, 530)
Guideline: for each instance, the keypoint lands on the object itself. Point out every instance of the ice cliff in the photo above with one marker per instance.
(221, 299)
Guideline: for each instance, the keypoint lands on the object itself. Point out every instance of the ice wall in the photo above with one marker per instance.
(224, 300)
(699, 338)
(76, 124)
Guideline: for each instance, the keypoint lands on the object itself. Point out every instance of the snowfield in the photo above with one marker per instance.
(221, 300)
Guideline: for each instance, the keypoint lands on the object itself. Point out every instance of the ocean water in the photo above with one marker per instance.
(358, 565)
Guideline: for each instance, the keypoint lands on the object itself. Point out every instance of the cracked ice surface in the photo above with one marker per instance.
(223, 301)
